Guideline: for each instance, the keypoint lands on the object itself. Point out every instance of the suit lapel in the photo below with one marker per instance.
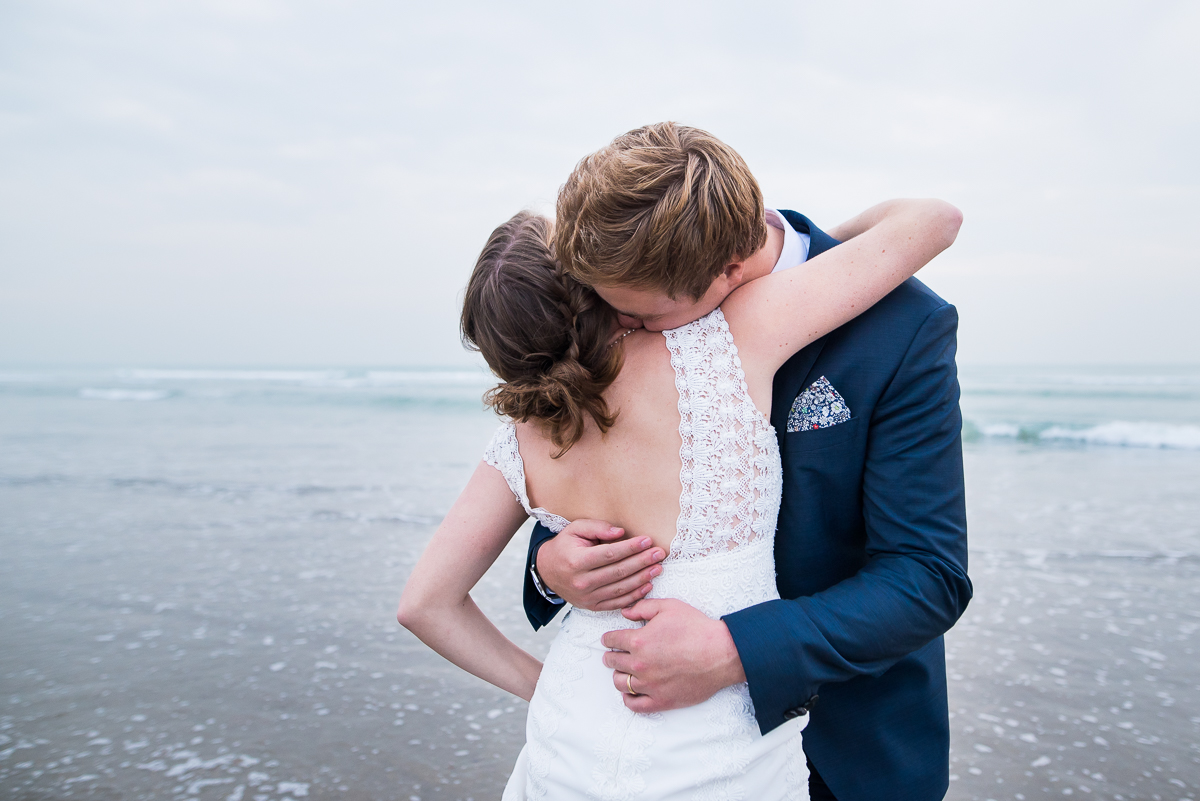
(792, 378)
(790, 381)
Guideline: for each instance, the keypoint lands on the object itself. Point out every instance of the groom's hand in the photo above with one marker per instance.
(591, 564)
(679, 658)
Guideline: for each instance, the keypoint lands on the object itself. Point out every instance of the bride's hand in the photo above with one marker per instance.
(680, 658)
(592, 566)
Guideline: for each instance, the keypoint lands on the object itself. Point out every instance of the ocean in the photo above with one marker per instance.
(200, 572)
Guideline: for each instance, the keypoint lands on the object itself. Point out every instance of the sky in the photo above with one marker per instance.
(248, 182)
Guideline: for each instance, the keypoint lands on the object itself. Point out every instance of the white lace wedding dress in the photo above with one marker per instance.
(581, 741)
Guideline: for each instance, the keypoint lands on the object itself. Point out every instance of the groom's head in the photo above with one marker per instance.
(659, 222)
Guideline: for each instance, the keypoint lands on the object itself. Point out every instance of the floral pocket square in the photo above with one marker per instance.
(819, 406)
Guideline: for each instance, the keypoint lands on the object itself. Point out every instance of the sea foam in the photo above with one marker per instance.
(284, 376)
(1139, 380)
(123, 394)
(318, 378)
(1000, 430)
(1136, 435)
(1119, 433)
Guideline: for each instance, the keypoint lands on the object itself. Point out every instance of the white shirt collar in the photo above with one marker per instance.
(795, 244)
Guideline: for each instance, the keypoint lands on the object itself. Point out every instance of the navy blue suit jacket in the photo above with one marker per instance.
(870, 552)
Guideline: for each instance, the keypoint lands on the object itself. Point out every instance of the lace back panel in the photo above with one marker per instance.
(730, 470)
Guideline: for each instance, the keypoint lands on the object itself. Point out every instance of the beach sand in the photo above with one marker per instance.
(197, 597)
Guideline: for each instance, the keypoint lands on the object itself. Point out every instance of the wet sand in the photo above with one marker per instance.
(1074, 670)
(197, 599)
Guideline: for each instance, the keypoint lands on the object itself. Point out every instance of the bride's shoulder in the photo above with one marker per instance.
(527, 430)
(747, 313)
(532, 439)
(742, 304)
(503, 444)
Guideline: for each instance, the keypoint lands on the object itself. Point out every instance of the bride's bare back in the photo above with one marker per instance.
(630, 475)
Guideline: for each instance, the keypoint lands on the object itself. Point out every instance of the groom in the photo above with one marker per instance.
(871, 548)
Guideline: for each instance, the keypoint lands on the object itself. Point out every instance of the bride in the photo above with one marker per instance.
(667, 434)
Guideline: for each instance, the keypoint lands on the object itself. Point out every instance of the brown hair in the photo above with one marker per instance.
(662, 207)
(544, 334)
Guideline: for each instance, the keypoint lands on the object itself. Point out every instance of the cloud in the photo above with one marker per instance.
(303, 183)
(125, 111)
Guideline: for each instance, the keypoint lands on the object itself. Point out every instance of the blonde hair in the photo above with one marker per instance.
(544, 334)
(663, 207)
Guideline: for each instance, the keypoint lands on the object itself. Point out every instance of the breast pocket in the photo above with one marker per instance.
(801, 442)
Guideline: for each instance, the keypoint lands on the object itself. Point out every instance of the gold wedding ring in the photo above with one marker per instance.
(629, 684)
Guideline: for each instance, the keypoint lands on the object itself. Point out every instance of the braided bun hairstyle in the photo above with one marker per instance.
(544, 334)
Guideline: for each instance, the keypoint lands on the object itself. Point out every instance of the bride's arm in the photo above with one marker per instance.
(779, 314)
(844, 232)
(436, 604)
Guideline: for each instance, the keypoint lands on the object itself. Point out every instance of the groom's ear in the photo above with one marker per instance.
(734, 273)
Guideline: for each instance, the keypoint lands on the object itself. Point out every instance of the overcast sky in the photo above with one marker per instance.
(245, 182)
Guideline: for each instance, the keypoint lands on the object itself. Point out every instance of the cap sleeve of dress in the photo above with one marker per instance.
(504, 455)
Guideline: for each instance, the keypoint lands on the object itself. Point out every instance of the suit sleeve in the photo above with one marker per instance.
(914, 585)
(538, 610)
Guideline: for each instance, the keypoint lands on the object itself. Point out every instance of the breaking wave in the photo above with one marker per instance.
(1117, 433)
